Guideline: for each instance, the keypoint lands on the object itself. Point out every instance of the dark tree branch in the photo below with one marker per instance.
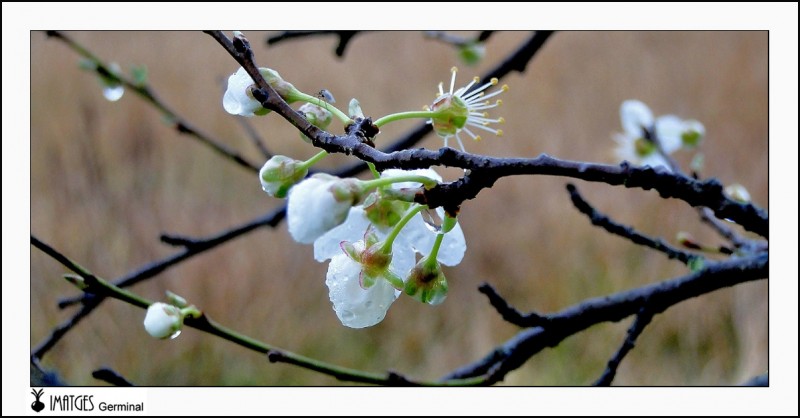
(486, 170)
(655, 297)
(111, 377)
(100, 287)
(179, 123)
(509, 313)
(90, 302)
(603, 221)
(345, 36)
(643, 318)
(517, 59)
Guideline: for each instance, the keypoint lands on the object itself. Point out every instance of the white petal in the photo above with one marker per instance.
(655, 160)
(419, 236)
(357, 307)
(236, 101)
(403, 259)
(635, 115)
(669, 129)
(162, 320)
(352, 230)
(394, 172)
(625, 149)
(312, 209)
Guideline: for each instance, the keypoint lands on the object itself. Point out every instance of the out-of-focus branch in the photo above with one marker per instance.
(255, 137)
(345, 36)
(147, 93)
(98, 286)
(111, 377)
(628, 232)
(643, 318)
(91, 301)
(509, 313)
(655, 298)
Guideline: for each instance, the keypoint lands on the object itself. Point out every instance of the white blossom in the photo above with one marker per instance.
(636, 144)
(355, 306)
(317, 205)
(237, 99)
(458, 110)
(163, 320)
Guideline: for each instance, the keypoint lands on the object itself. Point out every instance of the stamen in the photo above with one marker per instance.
(460, 144)
(454, 70)
(467, 87)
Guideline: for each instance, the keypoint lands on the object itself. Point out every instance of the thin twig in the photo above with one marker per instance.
(255, 137)
(706, 215)
(345, 36)
(509, 313)
(642, 319)
(196, 247)
(111, 377)
(147, 93)
(603, 221)
(100, 287)
(90, 302)
(656, 297)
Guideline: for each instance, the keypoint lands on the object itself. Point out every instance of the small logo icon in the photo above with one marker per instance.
(37, 405)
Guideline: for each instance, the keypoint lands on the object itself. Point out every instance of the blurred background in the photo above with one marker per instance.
(108, 177)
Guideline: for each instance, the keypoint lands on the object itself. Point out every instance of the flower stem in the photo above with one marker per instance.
(387, 243)
(206, 324)
(313, 160)
(430, 261)
(420, 114)
(373, 170)
(426, 181)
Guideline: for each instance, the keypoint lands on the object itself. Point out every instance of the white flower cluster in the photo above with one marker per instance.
(362, 281)
(637, 144)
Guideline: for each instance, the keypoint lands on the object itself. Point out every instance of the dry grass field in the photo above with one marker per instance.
(108, 178)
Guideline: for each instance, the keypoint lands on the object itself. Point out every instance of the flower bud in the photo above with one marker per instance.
(239, 100)
(472, 53)
(279, 174)
(163, 320)
(693, 133)
(317, 115)
(426, 282)
(354, 109)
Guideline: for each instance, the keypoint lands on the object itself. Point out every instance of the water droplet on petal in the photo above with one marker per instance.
(113, 93)
(432, 220)
(347, 315)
